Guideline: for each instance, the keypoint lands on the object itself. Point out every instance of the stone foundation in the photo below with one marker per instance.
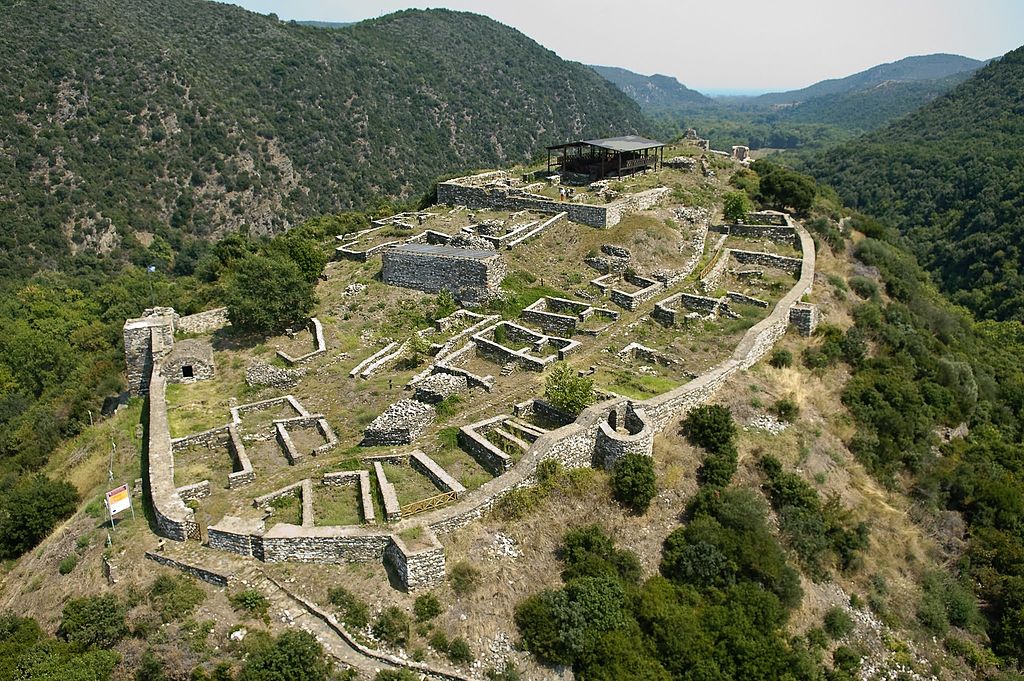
(400, 424)
(471, 276)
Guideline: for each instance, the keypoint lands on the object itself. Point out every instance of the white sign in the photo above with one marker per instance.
(118, 500)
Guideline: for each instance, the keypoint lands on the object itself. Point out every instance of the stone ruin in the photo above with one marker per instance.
(261, 374)
(188, 361)
(150, 338)
(399, 424)
(614, 259)
(472, 276)
(741, 153)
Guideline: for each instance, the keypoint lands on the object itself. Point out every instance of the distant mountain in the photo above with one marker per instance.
(654, 93)
(920, 68)
(869, 108)
(153, 122)
(949, 176)
(325, 24)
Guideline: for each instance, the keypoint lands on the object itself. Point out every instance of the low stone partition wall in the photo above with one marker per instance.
(419, 568)
(713, 276)
(562, 316)
(766, 217)
(781, 262)
(285, 440)
(320, 345)
(611, 444)
(472, 438)
(236, 412)
(331, 544)
(438, 475)
(743, 299)
(399, 424)
(805, 317)
(263, 501)
(174, 519)
(214, 437)
(195, 491)
(237, 535)
(208, 576)
(202, 322)
(392, 509)
(544, 410)
(502, 354)
(669, 310)
(631, 301)
(646, 354)
(378, 359)
(446, 366)
(316, 421)
(515, 238)
(243, 472)
(635, 203)
(362, 478)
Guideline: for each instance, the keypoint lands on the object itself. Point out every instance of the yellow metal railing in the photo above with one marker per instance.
(428, 504)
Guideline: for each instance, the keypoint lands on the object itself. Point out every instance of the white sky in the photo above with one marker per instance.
(717, 45)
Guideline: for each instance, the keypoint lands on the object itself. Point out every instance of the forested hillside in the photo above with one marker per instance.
(654, 93)
(910, 69)
(949, 177)
(121, 120)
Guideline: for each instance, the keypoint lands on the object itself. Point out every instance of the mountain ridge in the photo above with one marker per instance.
(654, 92)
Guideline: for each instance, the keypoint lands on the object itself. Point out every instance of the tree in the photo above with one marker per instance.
(294, 656)
(266, 295)
(736, 206)
(710, 426)
(634, 481)
(93, 622)
(569, 391)
(306, 253)
(30, 511)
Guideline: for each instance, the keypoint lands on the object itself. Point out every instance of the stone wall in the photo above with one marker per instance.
(611, 444)
(203, 322)
(767, 260)
(243, 472)
(712, 277)
(174, 520)
(237, 535)
(319, 344)
(472, 279)
(631, 301)
(388, 495)
(214, 437)
(805, 317)
(419, 568)
(195, 491)
(438, 475)
(399, 424)
(362, 478)
(284, 542)
(145, 339)
(208, 576)
(472, 439)
(743, 299)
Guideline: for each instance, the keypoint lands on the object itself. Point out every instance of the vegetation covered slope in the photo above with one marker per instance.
(909, 69)
(654, 93)
(184, 118)
(950, 178)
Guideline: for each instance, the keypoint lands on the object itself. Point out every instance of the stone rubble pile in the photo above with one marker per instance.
(615, 259)
(399, 424)
(692, 215)
(436, 387)
(259, 374)
(768, 423)
(681, 162)
(505, 546)
(471, 242)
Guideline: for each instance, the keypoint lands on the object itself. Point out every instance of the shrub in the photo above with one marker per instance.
(459, 652)
(426, 607)
(439, 642)
(781, 358)
(864, 287)
(735, 206)
(710, 426)
(396, 675)
(250, 601)
(634, 481)
(30, 509)
(589, 552)
(354, 612)
(265, 295)
(174, 597)
(392, 626)
(294, 655)
(149, 668)
(837, 623)
(464, 578)
(93, 622)
(786, 409)
(719, 467)
(68, 564)
(569, 391)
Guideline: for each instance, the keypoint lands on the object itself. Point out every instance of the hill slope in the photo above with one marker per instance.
(949, 176)
(910, 69)
(654, 93)
(190, 118)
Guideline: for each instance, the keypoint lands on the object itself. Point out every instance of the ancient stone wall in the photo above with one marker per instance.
(208, 576)
(766, 260)
(631, 301)
(237, 535)
(145, 339)
(174, 520)
(319, 345)
(203, 322)
(470, 279)
(420, 568)
(195, 491)
(472, 438)
(332, 544)
(399, 424)
(439, 476)
(804, 316)
(611, 444)
(243, 472)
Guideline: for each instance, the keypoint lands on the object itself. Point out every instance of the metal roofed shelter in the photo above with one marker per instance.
(602, 157)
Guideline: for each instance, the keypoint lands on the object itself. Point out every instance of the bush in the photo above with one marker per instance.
(781, 358)
(459, 652)
(786, 409)
(710, 426)
(30, 510)
(464, 578)
(589, 552)
(251, 601)
(719, 467)
(354, 612)
(864, 287)
(735, 206)
(149, 668)
(426, 607)
(439, 642)
(93, 622)
(295, 655)
(837, 623)
(265, 295)
(634, 481)
(392, 627)
(396, 675)
(175, 597)
(68, 564)
(569, 391)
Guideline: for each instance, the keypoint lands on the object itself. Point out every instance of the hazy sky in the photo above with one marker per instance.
(722, 44)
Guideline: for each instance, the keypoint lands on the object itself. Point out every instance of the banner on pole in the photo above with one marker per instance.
(118, 500)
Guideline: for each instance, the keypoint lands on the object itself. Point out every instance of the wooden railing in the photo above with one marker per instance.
(711, 263)
(428, 504)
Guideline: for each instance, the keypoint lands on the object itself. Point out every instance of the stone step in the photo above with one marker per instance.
(527, 431)
(518, 442)
(509, 369)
